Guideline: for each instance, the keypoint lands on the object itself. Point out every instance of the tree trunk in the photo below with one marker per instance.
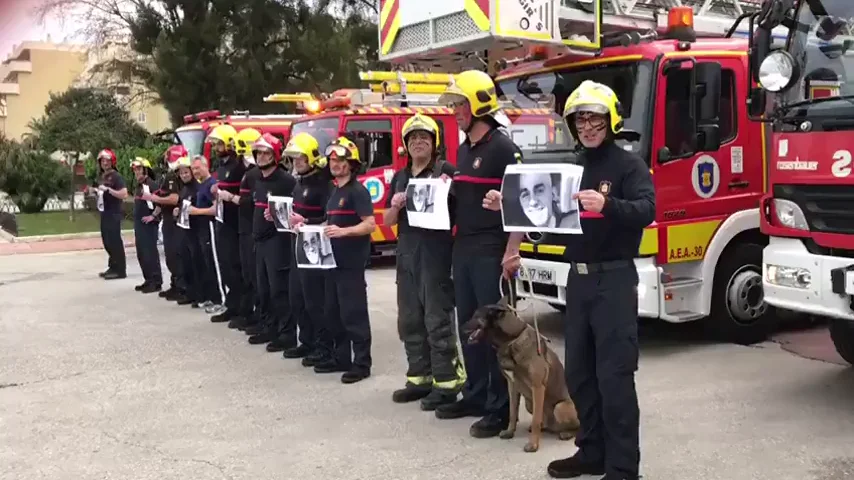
(72, 162)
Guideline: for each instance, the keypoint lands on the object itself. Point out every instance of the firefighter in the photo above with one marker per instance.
(307, 285)
(145, 227)
(111, 192)
(166, 198)
(483, 252)
(188, 250)
(349, 224)
(425, 292)
(601, 315)
(243, 146)
(273, 249)
(202, 212)
(229, 173)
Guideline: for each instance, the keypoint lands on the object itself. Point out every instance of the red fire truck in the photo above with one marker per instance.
(197, 126)
(682, 81)
(808, 211)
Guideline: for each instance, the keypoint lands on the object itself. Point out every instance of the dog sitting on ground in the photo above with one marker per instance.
(539, 376)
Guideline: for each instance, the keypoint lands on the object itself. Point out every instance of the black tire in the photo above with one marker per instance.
(739, 313)
(842, 334)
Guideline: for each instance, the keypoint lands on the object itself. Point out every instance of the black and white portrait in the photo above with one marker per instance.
(220, 214)
(538, 198)
(427, 203)
(281, 209)
(184, 214)
(313, 248)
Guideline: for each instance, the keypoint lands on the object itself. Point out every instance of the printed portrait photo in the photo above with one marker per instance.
(538, 198)
(280, 209)
(427, 203)
(313, 248)
(220, 214)
(184, 214)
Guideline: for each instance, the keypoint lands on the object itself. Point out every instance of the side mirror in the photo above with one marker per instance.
(708, 88)
(664, 155)
(756, 102)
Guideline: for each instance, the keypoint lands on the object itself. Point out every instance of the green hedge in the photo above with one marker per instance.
(31, 177)
(153, 153)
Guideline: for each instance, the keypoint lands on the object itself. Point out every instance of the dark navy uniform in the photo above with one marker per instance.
(145, 236)
(307, 286)
(478, 251)
(189, 251)
(346, 312)
(246, 215)
(229, 176)
(274, 258)
(169, 184)
(207, 271)
(601, 314)
(111, 223)
(425, 294)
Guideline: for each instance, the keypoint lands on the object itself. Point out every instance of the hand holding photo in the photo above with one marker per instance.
(184, 216)
(281, 209)
(313, 248)
(540, 198)
(427, 203)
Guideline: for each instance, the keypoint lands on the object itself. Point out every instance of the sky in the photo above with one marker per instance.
(18, 23)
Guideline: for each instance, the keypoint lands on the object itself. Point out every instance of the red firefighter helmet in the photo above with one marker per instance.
(107, 153)
(174, 153)
(269, 141)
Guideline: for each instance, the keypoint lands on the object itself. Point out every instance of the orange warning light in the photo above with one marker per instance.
(680, 17)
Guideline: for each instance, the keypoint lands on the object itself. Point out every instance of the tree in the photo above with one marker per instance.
(228, 54)
(84, 121)
(30, 177)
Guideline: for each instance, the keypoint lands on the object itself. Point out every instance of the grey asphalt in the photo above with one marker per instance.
(100, 382)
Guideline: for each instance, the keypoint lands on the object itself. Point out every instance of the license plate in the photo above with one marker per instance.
(538, 275)
(849, 283)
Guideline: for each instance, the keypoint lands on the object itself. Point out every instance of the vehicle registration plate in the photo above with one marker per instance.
(538, 275)
(849, 283)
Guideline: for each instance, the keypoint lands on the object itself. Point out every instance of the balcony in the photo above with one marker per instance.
(18, 66)
(10, 89)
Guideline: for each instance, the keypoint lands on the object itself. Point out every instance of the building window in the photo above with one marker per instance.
(140, 117)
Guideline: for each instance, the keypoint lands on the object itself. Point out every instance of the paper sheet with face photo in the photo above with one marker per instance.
(147, 191)
(99, 200)
(184, 214)
(427, 203)
(314, 248)
(539, 198)
(281, 209)
(220, 210)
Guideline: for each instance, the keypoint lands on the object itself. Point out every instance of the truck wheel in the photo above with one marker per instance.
(842, 334)
(739, 313)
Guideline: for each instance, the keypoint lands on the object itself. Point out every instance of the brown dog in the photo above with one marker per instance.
(537, 376)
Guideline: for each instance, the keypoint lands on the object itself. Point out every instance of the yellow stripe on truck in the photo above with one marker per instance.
(687, 242)
(648, 245)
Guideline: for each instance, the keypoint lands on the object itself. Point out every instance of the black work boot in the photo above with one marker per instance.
(166, 293)
(261, 338)
(458, 409)
(279, 344)
(237, 322)
(114, 275)
(183, 300)
(221, 317)
(104, 273)
(437, 398)
(139, 287)
(575, 466)
(354, 376)
(330, 366)
(297, 352)
(410, 393)
(488, 426)
(151, 288)
(313, 359)
(254, 329)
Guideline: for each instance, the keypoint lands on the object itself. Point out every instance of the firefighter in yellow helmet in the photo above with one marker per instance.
(246, 314)
(425, 292)
(483, 253)
(145, 227)
(349, 224)
(617, 202)
(307, 292)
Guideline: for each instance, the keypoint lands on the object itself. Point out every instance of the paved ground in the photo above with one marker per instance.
(99, 382)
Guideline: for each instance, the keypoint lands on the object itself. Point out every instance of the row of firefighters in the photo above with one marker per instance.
(243, 269)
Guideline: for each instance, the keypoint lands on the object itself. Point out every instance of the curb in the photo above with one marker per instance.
(9, 238)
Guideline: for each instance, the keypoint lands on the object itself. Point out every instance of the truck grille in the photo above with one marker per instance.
(828, 208)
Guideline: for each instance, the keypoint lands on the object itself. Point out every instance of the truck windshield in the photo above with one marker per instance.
(324, 130)
(631, 81)
(193, 140)
(823, 46)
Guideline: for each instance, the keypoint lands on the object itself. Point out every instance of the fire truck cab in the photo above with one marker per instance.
(806, 99)
(682, 82)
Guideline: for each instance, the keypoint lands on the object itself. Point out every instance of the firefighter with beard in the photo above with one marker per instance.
(189, 251)
(425, 292)
(618, 201)
(246, 210)
(110, 192)
(273, 249)
(166, 198)
(307, 285)
(349, 224)
(145, 228)
(229, 173)
(483, 252)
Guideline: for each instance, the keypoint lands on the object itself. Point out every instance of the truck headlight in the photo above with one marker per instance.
(788, 276)
(778, 71)
(790, 215)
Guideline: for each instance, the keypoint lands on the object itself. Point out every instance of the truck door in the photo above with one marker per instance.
(379, 152)
(691, 184)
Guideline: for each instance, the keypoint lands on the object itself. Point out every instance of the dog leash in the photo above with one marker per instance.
(513, 300)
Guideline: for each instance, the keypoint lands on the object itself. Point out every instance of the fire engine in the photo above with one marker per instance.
(197, 126)
(808, 211)
(681, 78)
(374, 117)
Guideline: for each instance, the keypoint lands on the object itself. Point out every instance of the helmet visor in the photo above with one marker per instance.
(338, 150)
(588, 107)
